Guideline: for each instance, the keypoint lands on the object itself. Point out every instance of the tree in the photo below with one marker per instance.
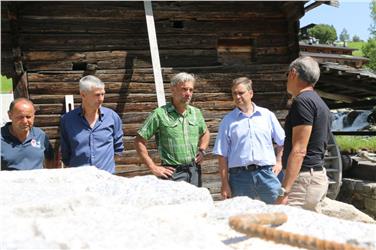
(372, 28)
(324, 33)
(369, 50)
(344, 36)
(356, 38)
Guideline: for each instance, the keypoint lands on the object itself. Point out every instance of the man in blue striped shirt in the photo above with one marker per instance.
(91, 134)
(248, 164)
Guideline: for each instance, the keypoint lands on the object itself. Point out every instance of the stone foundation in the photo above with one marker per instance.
(360, 193)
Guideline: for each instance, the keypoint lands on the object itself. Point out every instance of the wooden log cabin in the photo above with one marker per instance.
(48, 46)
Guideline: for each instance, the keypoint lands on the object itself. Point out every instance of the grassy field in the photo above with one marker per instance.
(352, 144)
(356, 45)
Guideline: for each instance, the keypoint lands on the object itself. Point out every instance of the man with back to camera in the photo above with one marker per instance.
(307, 128)
(91, 134)
(23, 146)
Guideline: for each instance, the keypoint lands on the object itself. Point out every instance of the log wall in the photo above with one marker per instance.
(217, 41)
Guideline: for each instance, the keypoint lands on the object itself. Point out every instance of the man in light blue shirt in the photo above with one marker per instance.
(91, 134)
(248, 163)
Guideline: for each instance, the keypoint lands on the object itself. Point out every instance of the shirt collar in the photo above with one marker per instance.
(256, 110)
(30, 136)
(81, 112)
(171, 108)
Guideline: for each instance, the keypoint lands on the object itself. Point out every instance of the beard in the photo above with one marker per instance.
(186, 101)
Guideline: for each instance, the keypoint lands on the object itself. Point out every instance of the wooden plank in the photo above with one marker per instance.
(267, 98)
(45, 120)
(133, 11)
(146, 73)
(159, 87)
(85, 42)
(177, 58)
(336, 97)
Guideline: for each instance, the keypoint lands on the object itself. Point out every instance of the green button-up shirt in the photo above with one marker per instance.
(177, 135)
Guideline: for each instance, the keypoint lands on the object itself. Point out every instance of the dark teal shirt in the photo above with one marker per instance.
(26, 155)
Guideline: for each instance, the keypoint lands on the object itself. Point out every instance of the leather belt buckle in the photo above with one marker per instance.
(251, 167)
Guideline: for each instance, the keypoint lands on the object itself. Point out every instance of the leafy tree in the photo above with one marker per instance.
(372, 28)
(324, 33)
(369, 50)
(344, 36)
(356, 38)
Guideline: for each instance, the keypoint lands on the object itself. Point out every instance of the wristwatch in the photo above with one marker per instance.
(282, 192)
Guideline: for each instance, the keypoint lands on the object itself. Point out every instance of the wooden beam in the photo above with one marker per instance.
(363, 104)
(334, 3)
(346, 85)
(154, 53)
(336, 97)
(312, 6)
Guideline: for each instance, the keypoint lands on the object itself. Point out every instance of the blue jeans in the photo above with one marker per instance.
(261, 183)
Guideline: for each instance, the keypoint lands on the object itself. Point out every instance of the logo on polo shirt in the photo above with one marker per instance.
(35, 143)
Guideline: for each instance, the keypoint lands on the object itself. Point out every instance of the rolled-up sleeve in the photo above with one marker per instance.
(222, 143)
(118, 135)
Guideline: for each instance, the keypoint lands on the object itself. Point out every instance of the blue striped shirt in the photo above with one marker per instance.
(246, 140)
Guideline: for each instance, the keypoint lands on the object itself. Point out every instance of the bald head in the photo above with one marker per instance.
(21, 113)
(21, 102)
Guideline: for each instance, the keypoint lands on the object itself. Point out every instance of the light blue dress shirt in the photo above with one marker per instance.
(82, 145)
(246, 140)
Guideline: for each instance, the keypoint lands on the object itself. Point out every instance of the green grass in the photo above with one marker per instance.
(6, 86)
(352, 144)
(356, 45)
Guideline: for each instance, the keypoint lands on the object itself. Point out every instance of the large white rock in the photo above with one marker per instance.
(86, 208)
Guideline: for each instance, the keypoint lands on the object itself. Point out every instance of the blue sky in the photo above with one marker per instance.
(351, 14)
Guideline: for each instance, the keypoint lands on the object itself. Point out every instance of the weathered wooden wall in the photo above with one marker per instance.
(217, 41)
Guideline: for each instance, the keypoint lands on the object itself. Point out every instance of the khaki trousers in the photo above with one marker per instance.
(308, 190)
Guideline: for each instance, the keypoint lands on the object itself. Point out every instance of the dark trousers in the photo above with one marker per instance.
(190, 173)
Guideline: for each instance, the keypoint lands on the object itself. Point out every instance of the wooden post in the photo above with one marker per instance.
(154, 53)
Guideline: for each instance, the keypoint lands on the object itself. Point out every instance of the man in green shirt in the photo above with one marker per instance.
(180, 132)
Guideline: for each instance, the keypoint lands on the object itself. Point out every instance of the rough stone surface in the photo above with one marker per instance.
(86, 208)
(360, 193)
(344, 211)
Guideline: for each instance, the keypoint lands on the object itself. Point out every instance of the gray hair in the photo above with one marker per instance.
(182, 78)
(245, 81)
(308, 69)
(90, 82)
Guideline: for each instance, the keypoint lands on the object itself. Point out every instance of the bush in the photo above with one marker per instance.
(352, 144)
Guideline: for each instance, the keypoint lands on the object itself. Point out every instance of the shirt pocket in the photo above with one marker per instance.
(103, 137)
(193, 130)
(263, 131)
(170, 128)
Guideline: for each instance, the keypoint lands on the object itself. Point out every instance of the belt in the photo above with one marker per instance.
(251, 167)
(183, 167)
(308, 169)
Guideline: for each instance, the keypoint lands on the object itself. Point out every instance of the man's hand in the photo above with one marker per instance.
(164, 172)
(200, 157)
(226, 191)
(277, 168)
(282, 200)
